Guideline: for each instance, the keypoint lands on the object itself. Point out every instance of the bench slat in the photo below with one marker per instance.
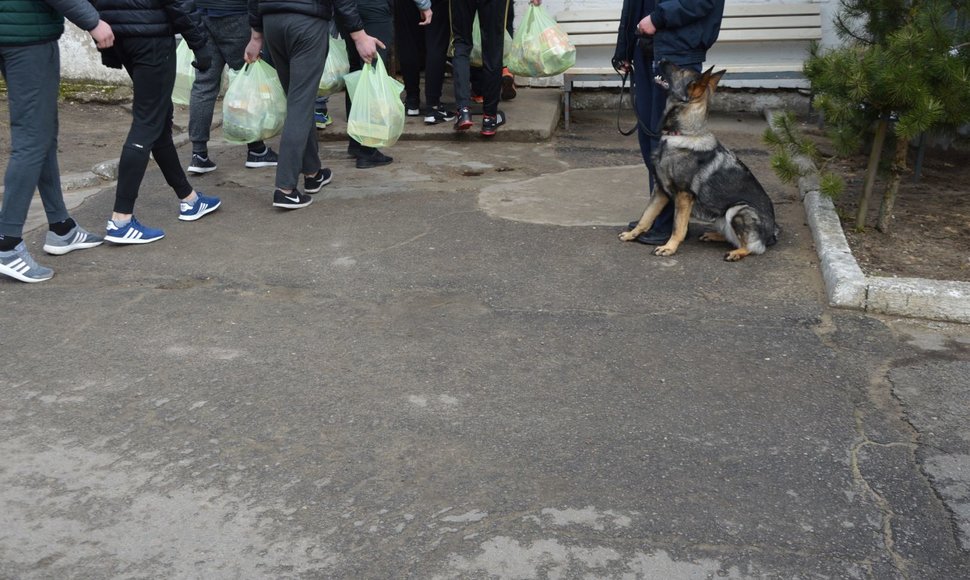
(766, 34)
(738, 26)
(802, 21)
(731, 68)
(730, 12)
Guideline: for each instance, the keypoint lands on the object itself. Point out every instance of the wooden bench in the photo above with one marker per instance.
(757, 42)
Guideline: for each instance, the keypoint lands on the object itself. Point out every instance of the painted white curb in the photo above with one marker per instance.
(848, 287)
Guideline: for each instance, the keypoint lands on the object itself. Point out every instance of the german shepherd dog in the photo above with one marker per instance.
(703, 177)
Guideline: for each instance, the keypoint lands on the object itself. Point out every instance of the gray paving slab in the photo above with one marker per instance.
(433, 372)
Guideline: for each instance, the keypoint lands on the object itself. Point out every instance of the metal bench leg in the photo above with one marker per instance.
(566, 102)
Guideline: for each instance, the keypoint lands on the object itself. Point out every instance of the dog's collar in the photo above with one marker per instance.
(670, 133)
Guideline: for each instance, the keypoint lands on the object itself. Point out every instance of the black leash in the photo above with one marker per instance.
(633, 102)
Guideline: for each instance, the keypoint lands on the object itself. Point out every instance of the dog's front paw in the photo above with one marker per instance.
(628, 236)
(666, 250)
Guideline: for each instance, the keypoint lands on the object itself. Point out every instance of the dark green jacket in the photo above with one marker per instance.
(24, 22)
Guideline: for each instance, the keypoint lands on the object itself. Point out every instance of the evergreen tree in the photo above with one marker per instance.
(904, 69)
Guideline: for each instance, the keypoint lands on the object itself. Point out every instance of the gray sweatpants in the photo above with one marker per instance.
(298, 45)
(33, 75)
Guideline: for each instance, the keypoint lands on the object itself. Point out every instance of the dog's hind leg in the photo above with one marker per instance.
(683, 203)
(744, 224)
(712, 236)
(657, 202)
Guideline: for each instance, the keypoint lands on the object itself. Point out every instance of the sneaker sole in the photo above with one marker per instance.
(206, 211)
(463, 126)
(61, 250)
(361, 164)
(488, 133)
(128, 241)
(413, 113)
(255, 164)
(292, 205)
(201, 170)
(18, 276)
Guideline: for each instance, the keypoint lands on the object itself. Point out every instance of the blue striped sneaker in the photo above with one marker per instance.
(189, 212)
(132, 233)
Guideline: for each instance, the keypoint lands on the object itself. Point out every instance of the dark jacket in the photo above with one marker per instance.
(24, 22)
(344, 11)
(146, 18)
(686, 29)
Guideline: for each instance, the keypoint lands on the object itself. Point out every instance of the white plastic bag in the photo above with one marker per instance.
(184, 74)
(376, 114)
(254, 107)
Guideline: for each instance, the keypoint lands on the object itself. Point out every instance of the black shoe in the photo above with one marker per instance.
(375, 159)
(438, 114)
(201, 164)
(412, 108)
(508, 85)
(316, 183)
(463, 120)
(268, 158)
(354, 149)
(489, 125)
(651, 237)
(292, 200)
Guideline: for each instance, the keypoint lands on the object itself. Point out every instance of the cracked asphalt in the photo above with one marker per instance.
(451, 368)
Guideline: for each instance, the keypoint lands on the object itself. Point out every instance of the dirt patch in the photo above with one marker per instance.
(930, 232)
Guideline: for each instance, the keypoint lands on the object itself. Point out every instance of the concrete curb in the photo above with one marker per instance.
(848, 287)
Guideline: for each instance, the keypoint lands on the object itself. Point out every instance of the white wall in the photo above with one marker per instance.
(80, 59)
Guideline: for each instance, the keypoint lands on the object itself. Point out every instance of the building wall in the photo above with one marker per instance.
(80, 59)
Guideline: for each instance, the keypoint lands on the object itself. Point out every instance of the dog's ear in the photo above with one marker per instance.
(715, 78)
(698, 87)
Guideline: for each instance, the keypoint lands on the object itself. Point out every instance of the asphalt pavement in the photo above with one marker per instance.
(450, 367)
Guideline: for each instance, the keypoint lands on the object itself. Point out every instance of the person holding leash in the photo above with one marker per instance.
(30, 61)
(651, 31)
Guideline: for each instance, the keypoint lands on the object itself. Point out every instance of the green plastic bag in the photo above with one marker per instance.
(254, 107)
(337, 66)
(540, 48)
(377, 112)
(184, 74)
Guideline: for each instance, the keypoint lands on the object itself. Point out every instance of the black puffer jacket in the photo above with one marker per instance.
(345, 12)
(153, 18)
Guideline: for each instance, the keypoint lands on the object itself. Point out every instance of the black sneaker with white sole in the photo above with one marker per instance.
(201, 164)
(268, 158)
(316, 183)
(292, 200)
(438, 114)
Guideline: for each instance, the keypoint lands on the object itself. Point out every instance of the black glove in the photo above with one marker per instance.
(202, 61)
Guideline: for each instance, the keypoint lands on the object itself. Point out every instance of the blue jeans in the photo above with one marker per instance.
(228, 37)
(33, 79)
